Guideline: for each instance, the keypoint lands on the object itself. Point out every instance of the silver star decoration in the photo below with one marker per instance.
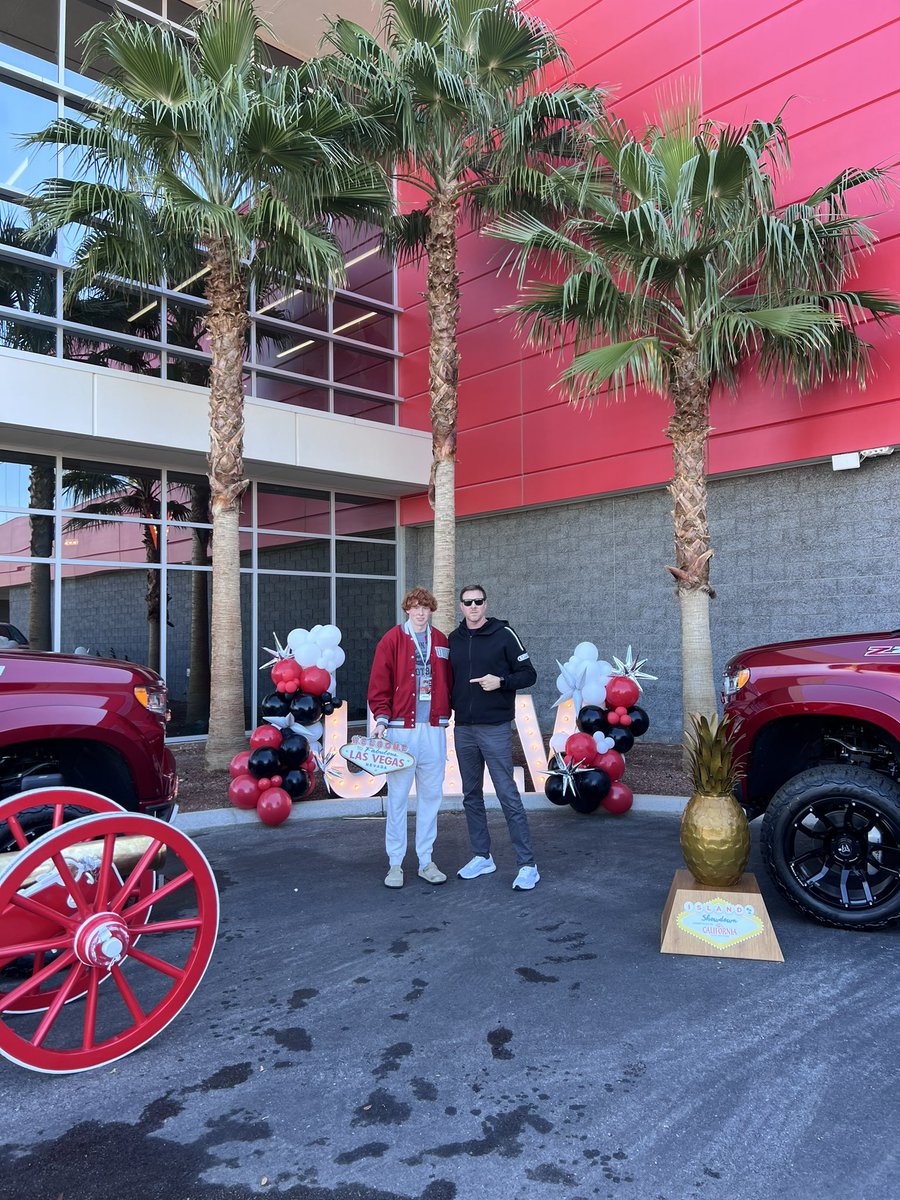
(567, 772)
(323, 762)
(285, 723)
(574, 678)
(278, 653)
(631, 668)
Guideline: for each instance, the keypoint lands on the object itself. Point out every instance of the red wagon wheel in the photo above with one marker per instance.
(23, 818)
(81, 909)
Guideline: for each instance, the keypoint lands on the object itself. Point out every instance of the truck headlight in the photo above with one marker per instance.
(154, 699)
(735, 680)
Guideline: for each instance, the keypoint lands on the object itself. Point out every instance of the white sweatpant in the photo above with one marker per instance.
(428, 745)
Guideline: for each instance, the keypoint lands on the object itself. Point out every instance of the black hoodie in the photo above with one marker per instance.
(492, 649)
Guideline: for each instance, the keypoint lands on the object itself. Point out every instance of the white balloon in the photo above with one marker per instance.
(296, 638)
(306, 654)
(586, 650)
(327, 659)
(340, 658)
(313, 732)
(332, 687)
(329, 635)
(315, 631)
(603, 743)
(606, 668)
(558, 742)
(594, 693)
(562, 685)
(316, 748)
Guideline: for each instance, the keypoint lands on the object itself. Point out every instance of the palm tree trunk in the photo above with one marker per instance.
(443, 363)
(40, 495)
(154, 594)
(226, 324)
(688, 431)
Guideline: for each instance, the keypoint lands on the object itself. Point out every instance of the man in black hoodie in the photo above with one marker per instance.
(489, 664)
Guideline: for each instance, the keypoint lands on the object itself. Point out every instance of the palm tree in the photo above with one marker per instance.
(456, 93)
(684, 272)
(197, 144)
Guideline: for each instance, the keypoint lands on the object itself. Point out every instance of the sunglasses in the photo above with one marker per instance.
(479, 602)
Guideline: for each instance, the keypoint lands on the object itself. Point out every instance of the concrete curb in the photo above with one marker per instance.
(315, 810)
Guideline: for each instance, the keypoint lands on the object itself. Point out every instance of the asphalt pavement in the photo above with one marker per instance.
(466, 1041)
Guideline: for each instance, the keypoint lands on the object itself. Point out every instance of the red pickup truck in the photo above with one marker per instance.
(818, 735)
(87, 722)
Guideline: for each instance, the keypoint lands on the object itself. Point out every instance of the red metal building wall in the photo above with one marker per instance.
(520, 442)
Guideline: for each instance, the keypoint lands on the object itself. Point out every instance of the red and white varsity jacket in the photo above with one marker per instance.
(392, 683)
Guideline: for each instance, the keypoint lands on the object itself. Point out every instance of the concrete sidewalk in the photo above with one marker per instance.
(313, 810)
(469, 1042)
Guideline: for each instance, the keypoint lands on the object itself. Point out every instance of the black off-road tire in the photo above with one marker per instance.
(831, 841)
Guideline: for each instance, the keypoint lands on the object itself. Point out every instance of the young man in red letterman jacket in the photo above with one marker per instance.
(409, 695)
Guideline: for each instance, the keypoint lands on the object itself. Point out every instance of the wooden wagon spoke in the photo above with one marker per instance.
(17, 949)
(128, 995)
(68, 881)
(168, 926)
(118, 901)
(90, 1010)
(105, 873)
(29, 904)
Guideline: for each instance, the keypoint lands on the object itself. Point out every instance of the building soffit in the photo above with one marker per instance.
(297, 25)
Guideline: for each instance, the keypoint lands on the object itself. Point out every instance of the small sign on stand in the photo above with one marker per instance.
(377, 755)
(716, 922)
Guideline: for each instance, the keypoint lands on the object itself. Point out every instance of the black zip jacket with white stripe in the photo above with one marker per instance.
(492, 649)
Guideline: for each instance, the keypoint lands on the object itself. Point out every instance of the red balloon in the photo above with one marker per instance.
(621, 691)
(280, 686)
(265, 735)
(618, 799)
(310, 765)
(612, 717)
(274, 806)
(263, 784)
(291, 686)
(581, 747)
(315, 680)
(312, 787)
(276, 781)
(285, 670)
(613, 763)
(238, 765)
(624, 720)
(242, 792)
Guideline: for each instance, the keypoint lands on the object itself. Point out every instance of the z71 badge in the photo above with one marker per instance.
(880, 651)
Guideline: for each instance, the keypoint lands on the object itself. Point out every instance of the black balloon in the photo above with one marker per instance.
(295, 783)
(591, 788)
(553, 790)
(337, 703)
(640, 722)
(263, 762)
(294, 749)
(622, 737)
(326, 697)
(306, 709)
(327, 709)
(591, 719)
(276, 704)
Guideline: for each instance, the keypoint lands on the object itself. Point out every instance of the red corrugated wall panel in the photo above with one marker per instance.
(520, 443)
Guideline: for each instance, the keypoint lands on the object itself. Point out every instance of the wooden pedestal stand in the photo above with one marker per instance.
(718, 922)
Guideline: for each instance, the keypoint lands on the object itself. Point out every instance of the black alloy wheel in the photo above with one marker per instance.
(831, 840)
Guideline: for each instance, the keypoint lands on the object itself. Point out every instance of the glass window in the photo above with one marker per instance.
(189, 545)
(367, 408)
(181, 369)
(368, 271)
(26, 591)
(30, 29)
(363, 324)
(29, 288)
(82, 15)
(103, 352)
(363, 370)
(185, 326)
(296, 305)
(299, 509)
(27, 480)
(365, 516)
(188, 498)
(288, 391)
(290, 552)
(117, 308)
(15, 221)
(114, 613)
(179, 12)
(24, 110)
(92, 538)
(20, 335)
(188, 605)
(75, 157)
(365, 558)
(85, 481)
(280, 58)
(290, 350)
(366, 609)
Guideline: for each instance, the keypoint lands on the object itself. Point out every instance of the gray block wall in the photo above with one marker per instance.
(801, 552)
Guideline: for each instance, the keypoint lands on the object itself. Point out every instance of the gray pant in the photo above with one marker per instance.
(477, 745)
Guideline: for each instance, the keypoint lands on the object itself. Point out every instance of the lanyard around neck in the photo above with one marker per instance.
(424, 659)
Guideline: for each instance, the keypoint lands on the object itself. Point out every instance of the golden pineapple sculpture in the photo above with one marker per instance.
(715, 836)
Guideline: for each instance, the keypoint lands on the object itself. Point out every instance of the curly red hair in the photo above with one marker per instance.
(417, 596)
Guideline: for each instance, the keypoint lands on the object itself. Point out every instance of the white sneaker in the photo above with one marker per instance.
(479, 865)
(394, 877)
(526, 879)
